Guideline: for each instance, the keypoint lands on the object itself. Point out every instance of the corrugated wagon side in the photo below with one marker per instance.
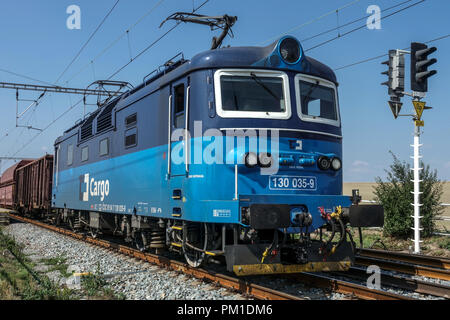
(34, 185)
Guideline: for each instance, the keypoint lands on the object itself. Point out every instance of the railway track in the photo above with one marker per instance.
(354, 291)
(345, 287)
(428, 261)
(403, 267)
(236, 284)
(4, 218)
(400, 282)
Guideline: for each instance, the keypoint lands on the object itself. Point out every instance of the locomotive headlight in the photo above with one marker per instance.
(324, 163)
(290, 50)
(251, 159)
(336, 164)
(265, 160)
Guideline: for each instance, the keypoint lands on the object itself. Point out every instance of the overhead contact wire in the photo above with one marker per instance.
(364, 26)
(152, 44)
(86, 43)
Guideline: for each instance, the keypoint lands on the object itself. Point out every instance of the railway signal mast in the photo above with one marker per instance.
(419, 86)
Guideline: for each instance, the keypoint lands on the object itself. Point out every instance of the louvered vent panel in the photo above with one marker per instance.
(86, 131)
(104, 120)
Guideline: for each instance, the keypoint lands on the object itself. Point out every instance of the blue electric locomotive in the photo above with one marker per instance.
(235, 154)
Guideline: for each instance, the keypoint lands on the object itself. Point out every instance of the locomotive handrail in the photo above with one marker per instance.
(144, 79)
(169, 137)
(170, 62)
(166, 64)
(186, 130)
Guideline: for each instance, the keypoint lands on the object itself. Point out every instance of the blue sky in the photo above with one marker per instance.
(37, 43)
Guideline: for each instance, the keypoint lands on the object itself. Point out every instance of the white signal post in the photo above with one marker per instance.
(416, 192)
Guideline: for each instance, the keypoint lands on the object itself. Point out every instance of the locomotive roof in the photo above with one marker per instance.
(243, 57)
(240, 57)
(231, 57)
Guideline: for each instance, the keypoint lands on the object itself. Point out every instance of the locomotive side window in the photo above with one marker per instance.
(104, 147)
(179, 106)
(252, 94)
(84, 153)
(131, 138)
(70, 155)
(316, 100)
(131, 120)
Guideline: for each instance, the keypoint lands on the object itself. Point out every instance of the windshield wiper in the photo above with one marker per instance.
(313, 87)
(258, 81)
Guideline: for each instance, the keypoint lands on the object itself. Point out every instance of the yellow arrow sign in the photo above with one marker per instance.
(419, 106)
(419, 123)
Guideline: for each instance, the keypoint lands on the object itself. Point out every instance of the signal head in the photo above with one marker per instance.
(419, 66)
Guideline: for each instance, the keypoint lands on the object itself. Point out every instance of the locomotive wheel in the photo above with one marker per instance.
(196, 235)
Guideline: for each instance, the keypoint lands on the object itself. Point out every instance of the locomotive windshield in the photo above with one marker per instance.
(243, 93)
(252, 94)
(316, 101)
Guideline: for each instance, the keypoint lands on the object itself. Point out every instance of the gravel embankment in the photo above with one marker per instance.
(136, 280)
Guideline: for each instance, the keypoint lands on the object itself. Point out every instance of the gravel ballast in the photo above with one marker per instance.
(136, 280)
(139, 280)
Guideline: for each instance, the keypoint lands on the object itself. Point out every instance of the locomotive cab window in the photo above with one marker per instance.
(252, 94)
(316, 100)
(179, 106)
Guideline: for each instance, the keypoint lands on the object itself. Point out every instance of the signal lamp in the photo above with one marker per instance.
(290, 50)
(336, 164)
(323, 163)
(265, 160)
(251, 160)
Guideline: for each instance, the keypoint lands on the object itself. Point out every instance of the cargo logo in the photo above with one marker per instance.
(93, 188)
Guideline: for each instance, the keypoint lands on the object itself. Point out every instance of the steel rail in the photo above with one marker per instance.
(244, 287)
(433, 262)
(345, 287)
(4, 218)
(419, 286)
(402, 267)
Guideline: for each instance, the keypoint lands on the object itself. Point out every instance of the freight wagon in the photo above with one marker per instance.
(33, 185)
(8, 184)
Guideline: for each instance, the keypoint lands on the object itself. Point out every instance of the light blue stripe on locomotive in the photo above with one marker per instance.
(138, 183)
